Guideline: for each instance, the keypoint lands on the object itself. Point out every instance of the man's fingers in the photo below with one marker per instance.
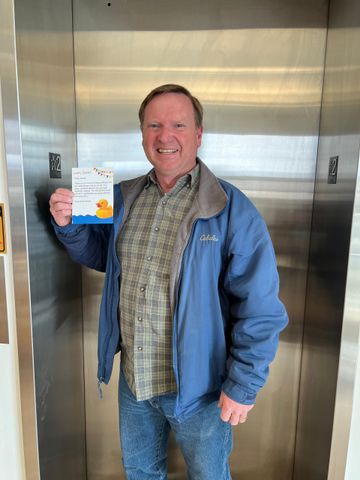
(231, 411)
(234, 419)
(61, 213)
(61, 195)
(225, 415)
(61, 206)
(59, 198)
(64, 191)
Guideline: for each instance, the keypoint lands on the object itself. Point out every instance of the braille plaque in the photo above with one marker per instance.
(333, 169)
(55, 165)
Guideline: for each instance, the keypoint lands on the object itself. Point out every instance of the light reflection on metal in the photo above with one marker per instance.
(216, 56)
(221, 152)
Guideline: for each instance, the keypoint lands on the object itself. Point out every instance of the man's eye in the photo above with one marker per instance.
(180, 125)
(154, 125)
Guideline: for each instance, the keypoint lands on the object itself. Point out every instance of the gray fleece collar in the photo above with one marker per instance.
(210, 200)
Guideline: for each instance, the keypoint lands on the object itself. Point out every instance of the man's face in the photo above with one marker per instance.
(170, 136)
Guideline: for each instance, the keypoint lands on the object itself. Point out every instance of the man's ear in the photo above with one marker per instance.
(200, 132)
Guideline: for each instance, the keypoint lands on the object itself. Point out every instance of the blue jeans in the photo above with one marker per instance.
(204, 439)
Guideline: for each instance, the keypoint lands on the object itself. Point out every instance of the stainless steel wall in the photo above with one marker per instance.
(258, 69)
(47, 109)
(344, 455)
(331, 228)
(16, 243)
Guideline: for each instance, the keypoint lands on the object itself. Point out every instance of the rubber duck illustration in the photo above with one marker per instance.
(104, 209)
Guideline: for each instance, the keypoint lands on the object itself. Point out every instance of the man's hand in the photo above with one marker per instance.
(61, 206)
(231, 411)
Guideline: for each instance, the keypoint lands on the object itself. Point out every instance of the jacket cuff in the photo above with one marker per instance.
(237, 393)
(68, 229)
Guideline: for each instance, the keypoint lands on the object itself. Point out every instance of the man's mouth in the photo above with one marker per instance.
(167, 150)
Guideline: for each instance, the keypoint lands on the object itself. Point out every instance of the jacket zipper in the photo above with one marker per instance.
(110, 330)
(176, 300)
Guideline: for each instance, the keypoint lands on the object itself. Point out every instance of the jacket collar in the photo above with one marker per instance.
(211, 198)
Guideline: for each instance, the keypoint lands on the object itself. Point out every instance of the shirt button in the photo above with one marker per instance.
(140, 349)
(142, 289)
(164, 202)
(149, 258)
(140, 319)
(156, 229)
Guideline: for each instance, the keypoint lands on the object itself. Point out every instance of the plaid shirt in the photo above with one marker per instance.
(145, 247)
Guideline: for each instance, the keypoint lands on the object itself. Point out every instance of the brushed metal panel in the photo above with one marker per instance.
(344, 454)
(16, 197)
(47, 105)
(331, 228)
(348, 392)
(188, 15)
(260, 83)
(4, 331)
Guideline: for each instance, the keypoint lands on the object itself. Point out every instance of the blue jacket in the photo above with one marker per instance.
(223, 292)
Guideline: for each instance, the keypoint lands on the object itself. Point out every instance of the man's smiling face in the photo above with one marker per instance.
(170, 135)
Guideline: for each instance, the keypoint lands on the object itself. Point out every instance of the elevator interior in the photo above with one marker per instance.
(277, 79)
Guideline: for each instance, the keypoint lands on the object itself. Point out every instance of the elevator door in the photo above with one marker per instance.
(257, 67)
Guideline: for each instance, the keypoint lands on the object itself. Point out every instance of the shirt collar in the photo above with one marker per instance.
(189, 178)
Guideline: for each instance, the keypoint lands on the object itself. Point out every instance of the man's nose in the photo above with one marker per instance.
(164, 134)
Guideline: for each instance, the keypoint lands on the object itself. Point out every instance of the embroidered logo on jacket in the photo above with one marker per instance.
(208, 238)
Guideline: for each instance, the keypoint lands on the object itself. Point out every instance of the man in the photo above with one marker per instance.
(190, 297)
